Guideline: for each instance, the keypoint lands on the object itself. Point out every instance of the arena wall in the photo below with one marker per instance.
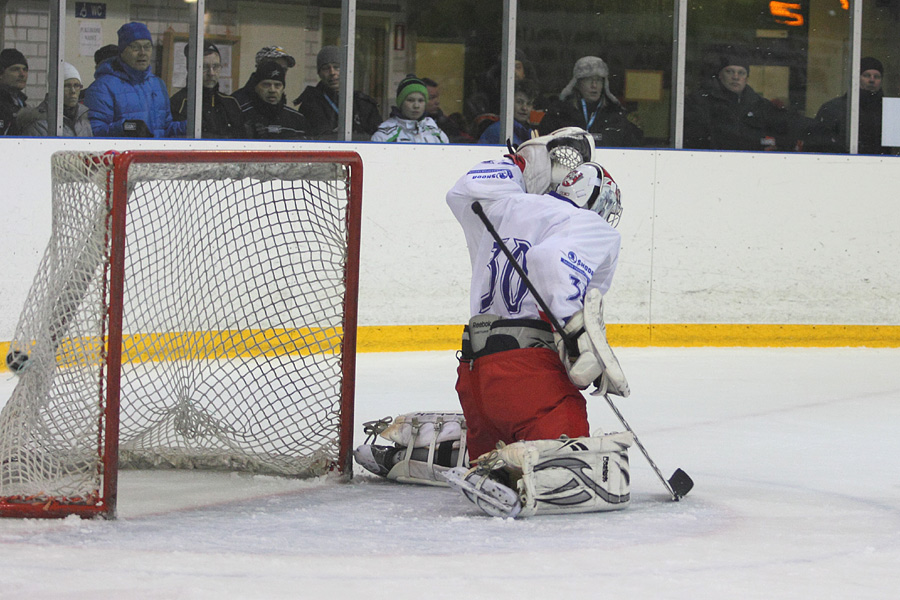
(719, 248)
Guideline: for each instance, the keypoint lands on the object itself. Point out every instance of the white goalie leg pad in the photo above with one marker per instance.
(596, 362)
(429, 442)
(587, 474)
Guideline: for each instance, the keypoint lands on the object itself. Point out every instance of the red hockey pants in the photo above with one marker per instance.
(516, 395)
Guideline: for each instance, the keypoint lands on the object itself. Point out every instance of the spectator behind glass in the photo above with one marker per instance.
(320, 104)
(32, 121)
(408, 121)
(587, 102)
(13, 78)
(221, 112)
(526, 92)
(454, 125)
(126, 98)
(829, 133)
(275, 54)
(727, 114)
(104, 53)
(483, 106)
(266, 116)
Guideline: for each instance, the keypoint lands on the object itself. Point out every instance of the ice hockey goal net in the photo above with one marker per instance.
(193, 309)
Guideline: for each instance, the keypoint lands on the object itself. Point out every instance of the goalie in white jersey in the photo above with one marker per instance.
(525, 419)
(516, 381)
(512, 384)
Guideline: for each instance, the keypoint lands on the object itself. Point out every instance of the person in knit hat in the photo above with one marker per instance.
(13, 79)
(830, 131)
(276, 54)
(408, 121)
(587, 102)
(320, 104)
(33, 122)
(220, 113)
(126, 99)
(725, 113)
(267, 116)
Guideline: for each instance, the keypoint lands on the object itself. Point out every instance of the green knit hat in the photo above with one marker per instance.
(410, 84)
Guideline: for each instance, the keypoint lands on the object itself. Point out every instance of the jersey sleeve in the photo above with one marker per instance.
(580, 253)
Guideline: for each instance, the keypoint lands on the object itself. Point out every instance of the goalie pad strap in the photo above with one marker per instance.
(430, 440)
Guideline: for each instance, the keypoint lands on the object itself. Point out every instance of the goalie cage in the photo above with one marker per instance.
(219, 332)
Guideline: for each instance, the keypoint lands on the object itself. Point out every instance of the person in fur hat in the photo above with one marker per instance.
(588, 103)
(32, 121)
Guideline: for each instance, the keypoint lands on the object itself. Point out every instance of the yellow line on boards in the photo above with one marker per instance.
(407, 338)
(447, 337)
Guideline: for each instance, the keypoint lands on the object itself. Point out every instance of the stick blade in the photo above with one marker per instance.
(681, 483)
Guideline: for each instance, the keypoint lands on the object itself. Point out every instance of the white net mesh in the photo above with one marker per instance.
(233, 319)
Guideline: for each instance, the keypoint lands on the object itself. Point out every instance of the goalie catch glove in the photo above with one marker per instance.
(596, 363)
(549, 158)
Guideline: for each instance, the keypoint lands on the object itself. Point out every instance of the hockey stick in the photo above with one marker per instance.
(679, 484)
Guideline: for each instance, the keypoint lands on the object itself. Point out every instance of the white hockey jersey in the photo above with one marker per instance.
(565, 250)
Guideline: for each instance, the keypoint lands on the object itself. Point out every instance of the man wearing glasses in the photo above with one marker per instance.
(126, 98)
(221, 112)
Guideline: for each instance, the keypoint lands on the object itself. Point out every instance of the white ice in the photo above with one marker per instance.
(795, 454)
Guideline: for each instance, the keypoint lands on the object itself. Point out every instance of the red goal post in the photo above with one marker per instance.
(193, 309)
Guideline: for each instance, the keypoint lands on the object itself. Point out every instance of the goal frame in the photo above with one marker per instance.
(117, 217)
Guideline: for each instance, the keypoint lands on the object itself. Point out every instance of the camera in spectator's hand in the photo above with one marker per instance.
(136, 128)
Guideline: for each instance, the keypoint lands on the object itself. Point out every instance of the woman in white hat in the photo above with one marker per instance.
(588, 103)
(32, 122)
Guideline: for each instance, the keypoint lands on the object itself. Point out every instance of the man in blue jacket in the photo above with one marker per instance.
(126, 98)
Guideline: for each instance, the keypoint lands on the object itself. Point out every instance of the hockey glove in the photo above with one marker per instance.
(596, 363)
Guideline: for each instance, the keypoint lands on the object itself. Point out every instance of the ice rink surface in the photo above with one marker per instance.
(795, 454)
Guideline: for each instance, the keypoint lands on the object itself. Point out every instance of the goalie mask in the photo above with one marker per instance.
(591, 187)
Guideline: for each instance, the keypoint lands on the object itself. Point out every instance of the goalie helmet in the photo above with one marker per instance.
(591, 187)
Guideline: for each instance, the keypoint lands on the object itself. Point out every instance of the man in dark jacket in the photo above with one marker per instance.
(266, 116)
(320, 104)
(221, 113)
(830, 131)
(276, 54)
(727, 114)
(13, 78)
(126, 98)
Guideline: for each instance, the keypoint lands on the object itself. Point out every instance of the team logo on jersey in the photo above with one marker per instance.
(572, 261)
(490, 174)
